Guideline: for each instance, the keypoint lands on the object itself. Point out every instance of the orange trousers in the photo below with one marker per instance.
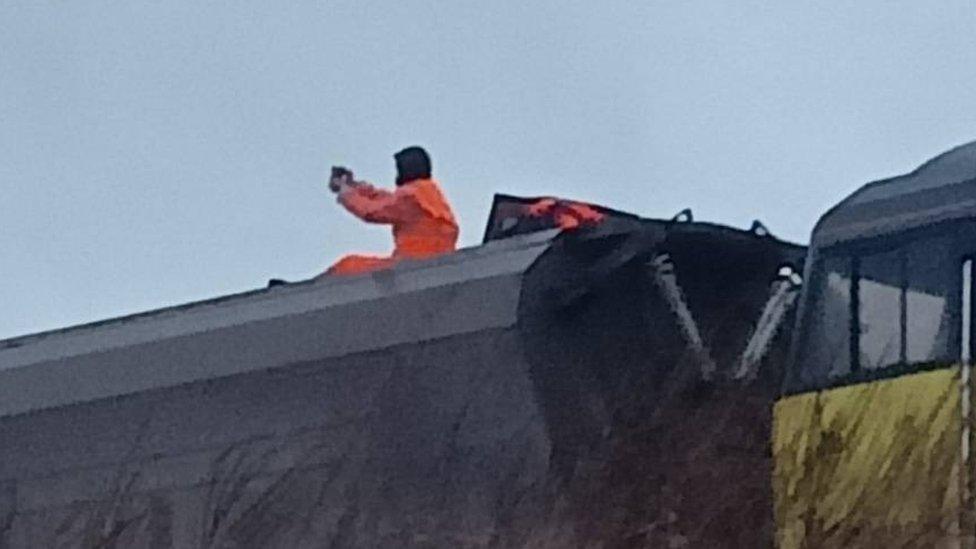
(359, 264)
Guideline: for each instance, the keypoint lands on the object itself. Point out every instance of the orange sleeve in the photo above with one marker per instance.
(379, 206)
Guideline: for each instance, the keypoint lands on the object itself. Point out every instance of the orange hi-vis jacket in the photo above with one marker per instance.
(423, 223)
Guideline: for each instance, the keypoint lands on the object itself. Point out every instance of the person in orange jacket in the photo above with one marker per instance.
(421, 218)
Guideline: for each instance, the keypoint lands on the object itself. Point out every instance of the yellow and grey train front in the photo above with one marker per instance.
(872, 438)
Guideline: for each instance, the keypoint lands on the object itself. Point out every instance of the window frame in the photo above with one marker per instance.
(901, 252)
(962, 246)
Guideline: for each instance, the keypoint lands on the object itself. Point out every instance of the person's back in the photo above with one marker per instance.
(421, 218)
(433, 231)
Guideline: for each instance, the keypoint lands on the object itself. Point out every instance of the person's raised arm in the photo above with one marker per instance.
(378, 205)
(369, 203)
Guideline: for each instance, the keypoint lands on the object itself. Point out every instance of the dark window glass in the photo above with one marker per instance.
(930, 280)
(826, 352)
(904, 311)
(880, 281)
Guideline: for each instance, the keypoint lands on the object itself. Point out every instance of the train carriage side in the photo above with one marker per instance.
(871, 438)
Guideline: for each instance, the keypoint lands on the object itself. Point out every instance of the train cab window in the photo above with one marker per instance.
(881, 277)
(826, 351)
(903, 301)
(872, 310)
(930, 277)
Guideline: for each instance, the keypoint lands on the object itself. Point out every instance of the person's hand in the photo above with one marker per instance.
(341, 177)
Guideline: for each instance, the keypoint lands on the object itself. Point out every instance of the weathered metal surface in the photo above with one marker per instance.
(544, 401)
(268, 329)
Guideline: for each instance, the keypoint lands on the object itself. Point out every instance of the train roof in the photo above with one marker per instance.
(942, 189)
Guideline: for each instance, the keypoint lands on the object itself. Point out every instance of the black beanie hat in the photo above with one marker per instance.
(412, 163)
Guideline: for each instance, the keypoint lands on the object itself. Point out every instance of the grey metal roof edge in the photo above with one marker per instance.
(470, 292)
(504, 258)
(49, 377)
(309, 286)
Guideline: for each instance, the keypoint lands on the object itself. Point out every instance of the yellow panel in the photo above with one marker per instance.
(869, 465)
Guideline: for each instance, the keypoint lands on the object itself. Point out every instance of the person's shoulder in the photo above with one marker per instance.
(429, 184)
(418, 186)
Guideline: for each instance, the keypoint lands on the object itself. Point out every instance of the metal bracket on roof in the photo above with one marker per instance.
(664, 275)
(686, 213)
(759, 229)
(274, 282)
(782, 297)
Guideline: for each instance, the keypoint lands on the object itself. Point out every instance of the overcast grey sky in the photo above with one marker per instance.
(157, 153)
